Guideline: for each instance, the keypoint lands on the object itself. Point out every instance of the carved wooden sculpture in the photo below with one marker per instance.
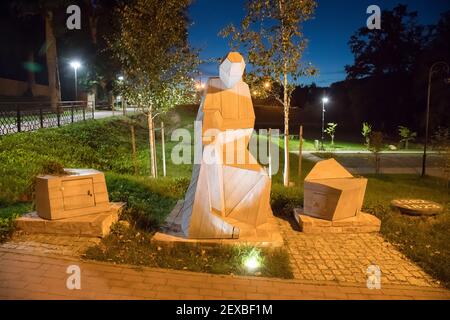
(229, 190)
(332, 193)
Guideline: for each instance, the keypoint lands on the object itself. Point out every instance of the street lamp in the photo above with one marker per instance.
(427, 117)
(324, 102)
(76, 65)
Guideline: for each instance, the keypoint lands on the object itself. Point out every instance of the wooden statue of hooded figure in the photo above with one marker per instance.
(229, 194)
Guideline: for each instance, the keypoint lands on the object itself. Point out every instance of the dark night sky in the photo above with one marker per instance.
(328, 33)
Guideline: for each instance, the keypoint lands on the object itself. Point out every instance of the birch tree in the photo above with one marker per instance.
(156, 60)
(271, 33)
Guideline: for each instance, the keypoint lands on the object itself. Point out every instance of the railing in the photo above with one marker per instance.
(30, 116)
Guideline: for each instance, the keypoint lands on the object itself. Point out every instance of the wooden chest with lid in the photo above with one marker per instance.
(81, 192)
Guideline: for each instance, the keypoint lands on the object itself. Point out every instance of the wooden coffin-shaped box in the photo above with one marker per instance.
(332, 193)
(81, 192)
(334, 199)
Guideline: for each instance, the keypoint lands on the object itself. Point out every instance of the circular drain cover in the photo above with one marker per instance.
(417, 207)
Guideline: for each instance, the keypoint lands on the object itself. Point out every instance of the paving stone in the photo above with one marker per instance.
(326, 266)
(347, 257)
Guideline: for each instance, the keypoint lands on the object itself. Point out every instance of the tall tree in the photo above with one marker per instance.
(392, 49)
(157, 63)
(100, 68)
(46, 8)
(271, 32)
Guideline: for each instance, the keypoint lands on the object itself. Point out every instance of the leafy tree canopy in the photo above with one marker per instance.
(392, 49)
(151, 46)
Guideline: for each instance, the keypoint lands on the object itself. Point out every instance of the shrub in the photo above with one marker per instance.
(283, 200)
(406, 135)
(366, 131)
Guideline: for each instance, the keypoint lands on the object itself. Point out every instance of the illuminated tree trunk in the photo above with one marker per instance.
(286, 130)
(52, 61)
(151, 140)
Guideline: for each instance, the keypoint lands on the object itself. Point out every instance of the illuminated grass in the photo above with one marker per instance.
(129, 246)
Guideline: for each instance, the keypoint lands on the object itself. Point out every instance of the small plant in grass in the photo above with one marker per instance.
(376, 145)
(366, 131)
(53, 168)
(406, 135)
(331, 131)
(7, 226)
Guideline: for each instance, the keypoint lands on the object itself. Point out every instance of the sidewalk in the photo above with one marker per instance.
(324, 267)
(404, 162)
(27, 276)
(101, 114)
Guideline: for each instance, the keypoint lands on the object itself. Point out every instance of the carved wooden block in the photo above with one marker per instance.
(82, 192)
(332, 193)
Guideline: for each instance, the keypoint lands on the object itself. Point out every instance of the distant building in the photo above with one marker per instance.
(15, 88)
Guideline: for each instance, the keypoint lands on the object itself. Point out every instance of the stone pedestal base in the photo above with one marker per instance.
(266, 235)
(361, 223)
(94, 225)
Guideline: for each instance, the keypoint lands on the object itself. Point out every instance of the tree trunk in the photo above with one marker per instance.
(31, 79)
(93, 26)
(377, 163)
(93, 21)
(151, 140)
(52, 61)
(286, 131)
(155, 163)
(111, 101)
(300, 155)
(133, 149)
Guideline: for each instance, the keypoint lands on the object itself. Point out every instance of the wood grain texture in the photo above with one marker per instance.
(332, 193)
(229, 190)
(83, 192)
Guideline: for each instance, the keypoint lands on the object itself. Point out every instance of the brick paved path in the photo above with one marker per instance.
(346, 257)
(28, 276)
(325, 267)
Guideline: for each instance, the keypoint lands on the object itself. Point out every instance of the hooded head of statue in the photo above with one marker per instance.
(232, 69)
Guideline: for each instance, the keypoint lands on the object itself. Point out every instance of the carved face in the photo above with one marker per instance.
(232, 69)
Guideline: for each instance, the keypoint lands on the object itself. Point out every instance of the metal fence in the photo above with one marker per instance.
(22, 117)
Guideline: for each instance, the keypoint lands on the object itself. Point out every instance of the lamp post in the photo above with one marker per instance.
(427, 117)
(324, 102)
(76, 65)
(120, 98)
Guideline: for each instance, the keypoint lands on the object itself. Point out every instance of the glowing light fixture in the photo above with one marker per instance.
(325, 100)
(253, 260)
(75, 64)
